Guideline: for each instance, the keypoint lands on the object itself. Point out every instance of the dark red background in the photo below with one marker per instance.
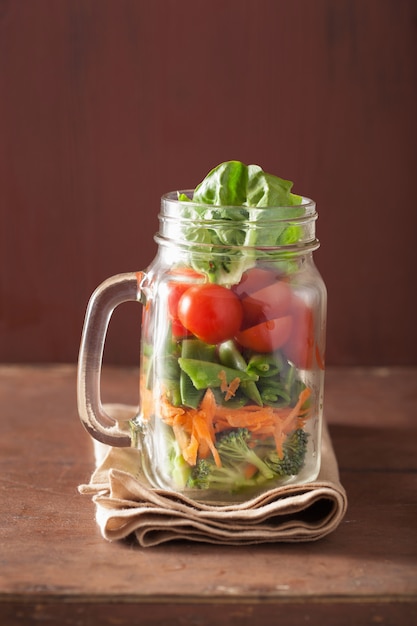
(106, 104)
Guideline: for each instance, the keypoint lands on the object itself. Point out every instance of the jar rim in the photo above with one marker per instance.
(207, 227)
(171, 197)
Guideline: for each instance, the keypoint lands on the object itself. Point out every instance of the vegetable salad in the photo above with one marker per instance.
(232, 403)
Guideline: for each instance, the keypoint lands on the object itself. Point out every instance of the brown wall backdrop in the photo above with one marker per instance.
(106, 104)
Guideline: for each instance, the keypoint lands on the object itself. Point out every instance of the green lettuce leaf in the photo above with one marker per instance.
(231, 193)
(225, 185)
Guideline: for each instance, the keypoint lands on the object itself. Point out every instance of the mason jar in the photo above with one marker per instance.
(232, 351)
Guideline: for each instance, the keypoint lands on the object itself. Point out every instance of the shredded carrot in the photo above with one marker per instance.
(203, 450)
(279, 439)
(190, 452)
(263, 421)
(208, 407)
(207, 410)
(251, 417)
(249, 470)
(228, 390)
(223, 381)
(282, 428)
(195, 429)
(288, 423)
(170, 413)
(232, 388)
(146, 399)
(202, 433)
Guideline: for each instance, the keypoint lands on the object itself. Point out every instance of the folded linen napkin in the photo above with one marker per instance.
(126, 504)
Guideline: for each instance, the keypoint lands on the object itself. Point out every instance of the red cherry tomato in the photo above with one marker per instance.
(268, 303)
(254, 279)
(175, 291)
(267, 336)
(178, 330)
(300, 345)
(211, 312)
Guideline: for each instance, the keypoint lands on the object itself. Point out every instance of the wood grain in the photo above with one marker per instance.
(55, 565)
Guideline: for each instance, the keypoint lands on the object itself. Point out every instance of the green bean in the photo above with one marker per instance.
(230, 356)
(204, 374)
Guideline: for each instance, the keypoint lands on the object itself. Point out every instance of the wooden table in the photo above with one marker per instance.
(56, 567)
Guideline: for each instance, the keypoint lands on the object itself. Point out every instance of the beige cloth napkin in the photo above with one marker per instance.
(126, 504)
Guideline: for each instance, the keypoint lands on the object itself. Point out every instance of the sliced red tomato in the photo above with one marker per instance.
(268, 303)
(210, 312)
(267, 336)
(300, 345)
(254, 279)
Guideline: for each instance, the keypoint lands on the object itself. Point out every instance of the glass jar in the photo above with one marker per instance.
(232, 351)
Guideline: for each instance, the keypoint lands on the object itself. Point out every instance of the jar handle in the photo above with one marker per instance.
(112, 292)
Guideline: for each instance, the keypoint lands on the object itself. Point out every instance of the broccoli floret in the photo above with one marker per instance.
(236, 454)
(294, 452)
(200, 474)
(233, 448)
(206, 475)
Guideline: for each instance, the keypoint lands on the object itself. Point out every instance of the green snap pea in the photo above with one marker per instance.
(230, 356)
(204, 374)
(267, 365)
(196, 349)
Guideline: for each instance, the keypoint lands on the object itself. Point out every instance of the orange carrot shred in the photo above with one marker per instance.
(190, 452)
(195, 429)
(223, 381)
(249, 470)
(232, 388)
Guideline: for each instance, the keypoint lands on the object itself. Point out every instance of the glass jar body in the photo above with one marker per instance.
(232, 371)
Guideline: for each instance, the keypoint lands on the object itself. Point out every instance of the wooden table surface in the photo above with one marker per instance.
(56, 567)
